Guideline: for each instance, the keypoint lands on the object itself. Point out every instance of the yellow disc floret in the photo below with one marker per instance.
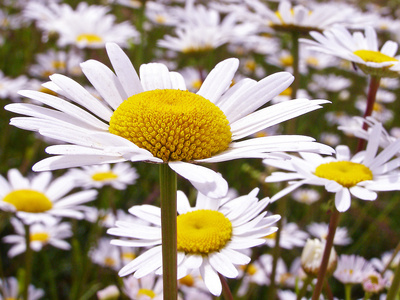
(42, 237)
(104, 176)
(89, 38)
(203, 231)
(173, 125)
(29, 201)
(346, 173)
(374, 56)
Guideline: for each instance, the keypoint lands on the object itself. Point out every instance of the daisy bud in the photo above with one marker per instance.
(311, 257)
(109, 293)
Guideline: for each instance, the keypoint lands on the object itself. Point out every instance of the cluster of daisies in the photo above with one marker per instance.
(294, 99)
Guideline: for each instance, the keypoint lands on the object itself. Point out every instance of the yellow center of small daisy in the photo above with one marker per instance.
(250, 269)
(89, 38)
(173, 125)
(373, 56)
(346, 173)
(39, 237)
(103, 176)
(203, 231)
(58, 64)
(286, 60)
(109, 261)
(128, 256)
(271, 236)
(28, 201)
(188, 280)
(146, 292)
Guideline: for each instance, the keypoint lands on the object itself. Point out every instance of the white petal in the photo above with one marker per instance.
(205, 180)
(219, 79)
(125, 71)
(363, 193)
(105, 82)
(155, 76)
(223, 265)
(211, 279)
(343, 200)
(183, 205)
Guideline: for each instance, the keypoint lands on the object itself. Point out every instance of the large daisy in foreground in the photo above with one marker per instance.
(155, 119)
(360, 176)
(210, 236)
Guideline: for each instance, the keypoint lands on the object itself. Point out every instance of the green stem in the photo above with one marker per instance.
(303, 290)
(396, 250)
(372, 90)
(168, 231)
(50, 275)
(28, 262)
(226, 292)
(333, 223)
(394, 288)
(347, 291)
(295, 55)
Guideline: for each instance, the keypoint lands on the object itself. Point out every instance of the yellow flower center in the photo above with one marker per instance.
(128, 256)
(173, 125)
(196, 84)
(373, 56)
(203, 231)
(250, 65)
(286, 92)
(28, 201)
(286, 60)
(312, 61)
(103, 176)
(39, 237)
(58, 64)
(89, 38)
(271, 236)
(161, 19)
(146, 292)
(109, 261)
(188, 280)
(250, 269)
(346, 173)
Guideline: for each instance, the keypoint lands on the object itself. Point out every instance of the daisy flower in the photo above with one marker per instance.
(145, 288)
(360, 176)
(358, 48)
(311, 257)
(9, 288)
(34, 199)
(320, 230)
(307, 196)
(118, 176)
(108, 293)
(291, 236)
(88, 26)
(300, 18)
(50, 232)
(155, 119)
(209, 236)
(106, 255)
(351, 269)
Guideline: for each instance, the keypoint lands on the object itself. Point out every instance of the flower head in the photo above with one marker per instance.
(209, 236)
(35, 198)
(360, 176)
(358, 48)
(351, 269)
(311, 257)
(155, 119)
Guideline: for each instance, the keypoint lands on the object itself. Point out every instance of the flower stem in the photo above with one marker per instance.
(28, 262)
(226, 292)
(303, 290)
(333, 223)
(347, 291)
(372, 90)
(396, 250)
(295, 55)
(394, 288)
(168, 231)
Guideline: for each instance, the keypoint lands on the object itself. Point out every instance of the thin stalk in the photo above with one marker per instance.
(333, 223)
(226, 292)
(50, 275)
(372, 90)
(396, 250)
(28, 262)
(394, 288)
(347, 291)
(295, 55)
(168, 231)
(303, 290)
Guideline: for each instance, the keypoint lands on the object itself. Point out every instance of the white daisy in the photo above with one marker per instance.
(106, 255)
(9, 288)
(291, 236)
(351, 269)
(50, 232)
(311, 257)
(155, 119)
(87, 26)
(209, 236)
(145, 288)
(307, 196)
(118, 176)
(358, 48)
(360, 176)
(33, 199)
(320, 230)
